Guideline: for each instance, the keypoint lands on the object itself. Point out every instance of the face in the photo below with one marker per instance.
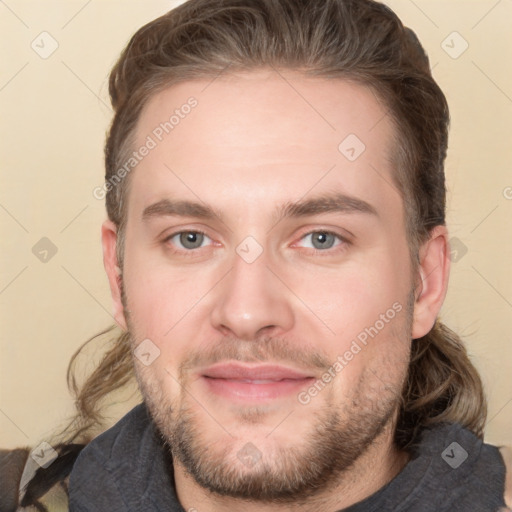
(267, 275)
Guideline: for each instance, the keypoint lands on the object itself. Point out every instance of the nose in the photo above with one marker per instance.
(251, 301)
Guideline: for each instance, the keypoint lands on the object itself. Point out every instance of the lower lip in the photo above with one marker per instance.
(238, 389)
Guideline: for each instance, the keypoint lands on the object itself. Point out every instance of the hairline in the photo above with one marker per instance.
(397, 156)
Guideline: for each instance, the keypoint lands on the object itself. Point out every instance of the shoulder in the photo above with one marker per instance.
(117, 439)
(12, 464)
(483, 471)
(506, 453)
(127, 468)
(98, 464)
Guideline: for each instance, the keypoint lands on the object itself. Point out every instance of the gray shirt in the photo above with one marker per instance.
(128, 468)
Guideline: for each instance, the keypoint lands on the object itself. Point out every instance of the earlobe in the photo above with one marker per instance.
(432, 283)
(109, 243)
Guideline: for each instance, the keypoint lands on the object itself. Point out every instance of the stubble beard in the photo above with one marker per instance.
(338, 435)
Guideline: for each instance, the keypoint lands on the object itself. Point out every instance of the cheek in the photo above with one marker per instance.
(161, 297)
(147, 295)
(159, 309)
(354, 295)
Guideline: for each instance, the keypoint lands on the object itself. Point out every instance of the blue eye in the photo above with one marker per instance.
(322, 240)
(188, 239)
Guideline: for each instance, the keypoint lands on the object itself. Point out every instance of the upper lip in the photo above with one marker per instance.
(236, 371)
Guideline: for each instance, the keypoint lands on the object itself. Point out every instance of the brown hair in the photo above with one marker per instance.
(358, 40)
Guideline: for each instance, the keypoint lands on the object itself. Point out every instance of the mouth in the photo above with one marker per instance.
(263, 382)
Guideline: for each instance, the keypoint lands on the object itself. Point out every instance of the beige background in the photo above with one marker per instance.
(54, 115)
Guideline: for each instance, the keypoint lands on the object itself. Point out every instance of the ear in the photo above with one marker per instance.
(432, 281)
(109, 242)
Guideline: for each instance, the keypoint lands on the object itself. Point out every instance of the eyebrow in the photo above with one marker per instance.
(327, 203)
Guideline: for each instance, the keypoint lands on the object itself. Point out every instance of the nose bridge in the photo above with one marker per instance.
(251, 298)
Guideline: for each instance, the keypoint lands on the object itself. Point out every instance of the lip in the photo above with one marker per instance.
(237, 371)
(262, 382)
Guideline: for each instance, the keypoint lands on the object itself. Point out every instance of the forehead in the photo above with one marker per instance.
(263, 136)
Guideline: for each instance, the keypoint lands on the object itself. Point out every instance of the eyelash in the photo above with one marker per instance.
(185, 252)
(316, 252)
(336, 249)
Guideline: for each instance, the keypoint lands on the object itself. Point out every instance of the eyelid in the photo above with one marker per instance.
(169, 237)
(343, 239)
(171, 231)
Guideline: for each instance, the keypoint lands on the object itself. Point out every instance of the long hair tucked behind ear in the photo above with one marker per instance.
(442, 385)
(114, 372)
(358, 40)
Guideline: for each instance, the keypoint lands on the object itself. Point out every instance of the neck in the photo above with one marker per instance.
(376, 467)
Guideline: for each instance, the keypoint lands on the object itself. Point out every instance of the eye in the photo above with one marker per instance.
(188, 240)
(322, 240)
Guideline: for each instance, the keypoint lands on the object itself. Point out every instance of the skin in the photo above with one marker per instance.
(252, 144)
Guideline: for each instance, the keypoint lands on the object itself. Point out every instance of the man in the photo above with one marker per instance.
(277, 255)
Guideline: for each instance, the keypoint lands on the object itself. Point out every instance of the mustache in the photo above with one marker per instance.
(265, 349)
